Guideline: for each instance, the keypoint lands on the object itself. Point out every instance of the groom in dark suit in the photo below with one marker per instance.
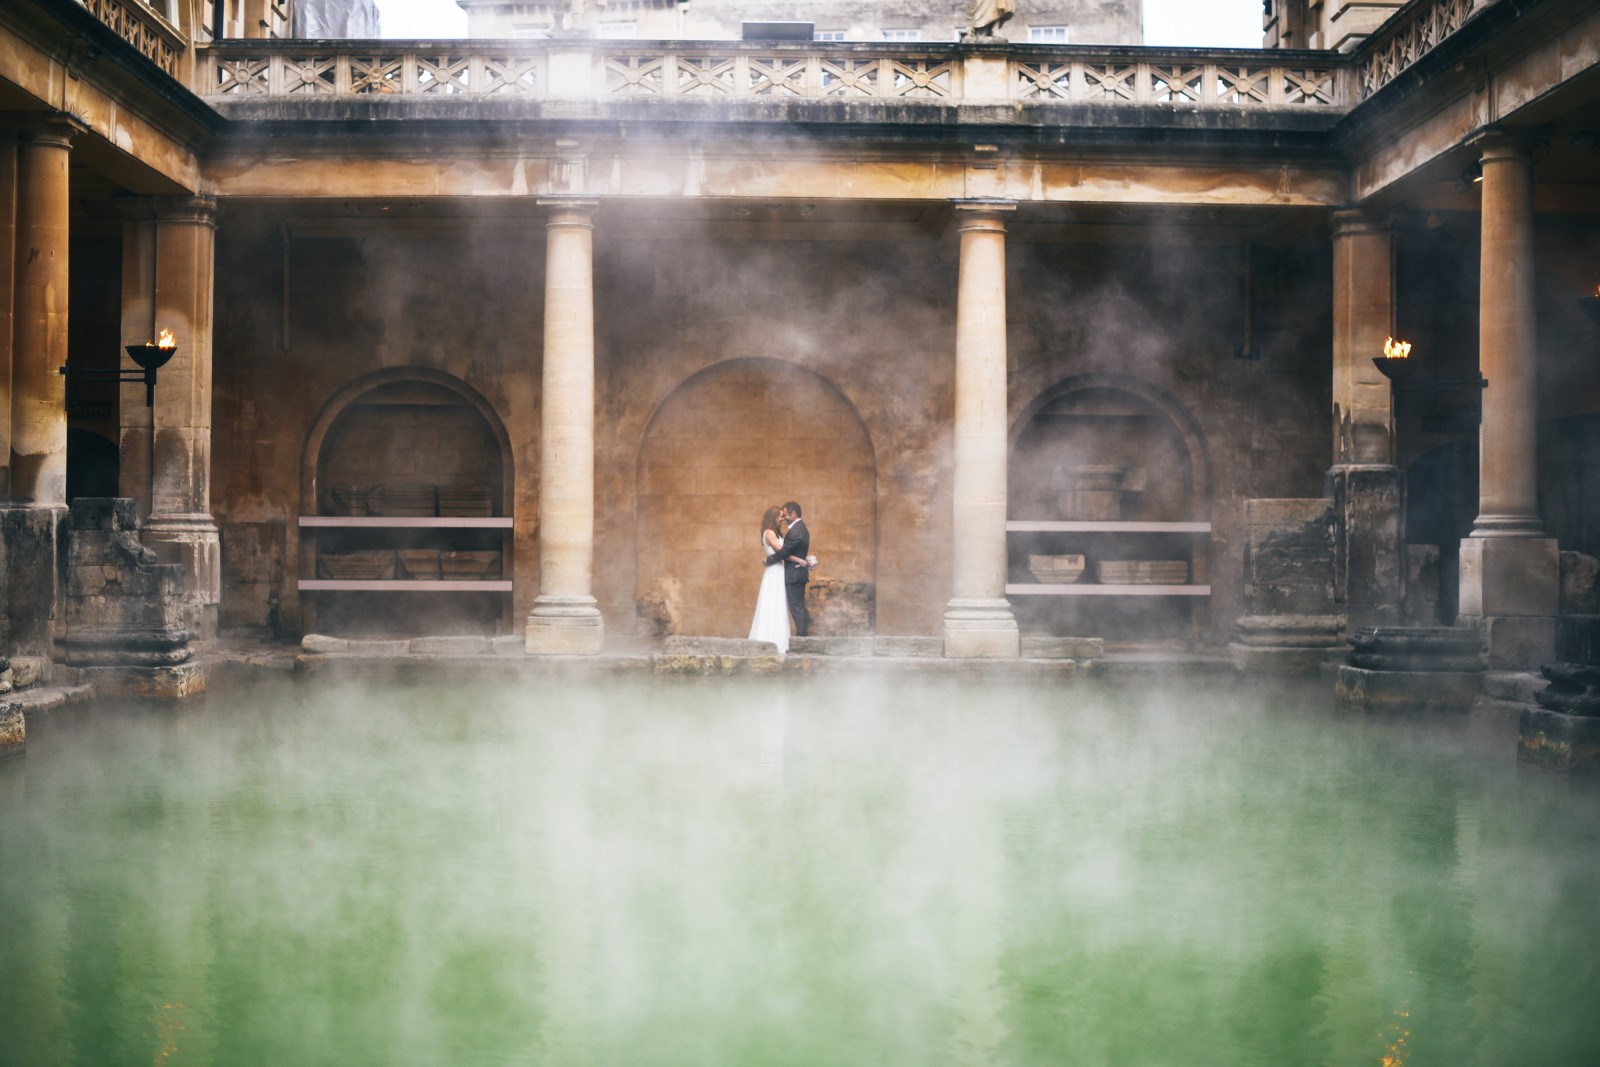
(796, 569)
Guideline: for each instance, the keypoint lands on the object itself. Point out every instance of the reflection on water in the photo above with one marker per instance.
(780, 873)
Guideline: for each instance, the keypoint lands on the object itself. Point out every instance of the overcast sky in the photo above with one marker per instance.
(1203, 23)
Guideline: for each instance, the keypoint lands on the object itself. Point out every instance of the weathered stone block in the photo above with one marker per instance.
(1579, 595)
(1560, 743)
(1369, 542)
(1418, 649)
(1574, 689)
(1578, 639)
(1360, 689)
(1078, 648)
(1517, 642)
(176, 682)
(831, 646)
(1510, 576)
(450, 646)
(321, 644)
(907, 646)
(13, 727)
(679, 645)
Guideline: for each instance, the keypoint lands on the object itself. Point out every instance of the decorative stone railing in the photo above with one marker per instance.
(949, 74)
(155, 38)
(1413, 32)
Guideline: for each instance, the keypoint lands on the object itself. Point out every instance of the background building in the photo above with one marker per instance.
(1082, 21)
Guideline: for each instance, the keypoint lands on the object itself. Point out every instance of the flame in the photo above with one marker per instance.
(166, 340)
(1393, 349)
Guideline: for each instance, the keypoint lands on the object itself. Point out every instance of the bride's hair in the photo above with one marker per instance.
(769, 521)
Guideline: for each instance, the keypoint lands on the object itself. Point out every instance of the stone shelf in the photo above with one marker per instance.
(405, 585)
(1041, 589)
(1074, 526)
(404, 522)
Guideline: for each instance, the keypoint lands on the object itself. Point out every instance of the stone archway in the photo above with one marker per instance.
(727, 444)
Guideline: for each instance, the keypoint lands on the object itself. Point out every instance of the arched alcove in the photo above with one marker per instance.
(1113, 469)
(724, 446)
(406, 479)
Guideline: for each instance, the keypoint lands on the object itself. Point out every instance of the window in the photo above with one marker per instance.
(902, 35)
(617, 31)
(1047, 34)
(828, 35)
(537, 31)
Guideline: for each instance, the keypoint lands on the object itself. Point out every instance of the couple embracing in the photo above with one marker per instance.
(787, 544)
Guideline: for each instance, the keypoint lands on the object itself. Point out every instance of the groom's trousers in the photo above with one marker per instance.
(796, 592)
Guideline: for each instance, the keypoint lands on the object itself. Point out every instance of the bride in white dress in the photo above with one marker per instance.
(772, 606)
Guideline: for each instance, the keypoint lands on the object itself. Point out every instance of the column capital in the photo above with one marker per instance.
(1498, 144)
(57, 128)
(1352, 221)
(201, 210)
(983, 213)
(569, 210)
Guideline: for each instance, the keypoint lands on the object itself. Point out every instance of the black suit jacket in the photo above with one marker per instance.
(796, 545)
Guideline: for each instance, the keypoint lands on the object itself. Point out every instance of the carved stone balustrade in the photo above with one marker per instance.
(733, 70)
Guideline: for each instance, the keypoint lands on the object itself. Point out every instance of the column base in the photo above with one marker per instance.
(565, 626)
(1511, 590)
(981, 628)
(192, 542)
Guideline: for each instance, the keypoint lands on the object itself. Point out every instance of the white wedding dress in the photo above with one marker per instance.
(772, 608)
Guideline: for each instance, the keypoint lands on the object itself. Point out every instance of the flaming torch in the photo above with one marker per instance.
(1395, 362)
(151, 357)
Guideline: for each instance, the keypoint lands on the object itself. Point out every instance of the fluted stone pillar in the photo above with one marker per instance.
(1368, 490)
(168, 279)
(565, 618)
(35, 513)
(978, 622)
(1510, 571)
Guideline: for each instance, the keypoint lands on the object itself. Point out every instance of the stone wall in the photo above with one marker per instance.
(732, 375)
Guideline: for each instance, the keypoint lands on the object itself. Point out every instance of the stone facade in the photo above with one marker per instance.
(613, 300)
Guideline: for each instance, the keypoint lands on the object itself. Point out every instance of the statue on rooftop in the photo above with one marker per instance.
(985, 17)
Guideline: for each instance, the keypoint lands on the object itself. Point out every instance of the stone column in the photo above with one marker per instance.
(978, 620)
(1368, 490)
(8, 264)
(1510, 571)
(168, 252)
(35, 516)
(39, 327)
(565, 618)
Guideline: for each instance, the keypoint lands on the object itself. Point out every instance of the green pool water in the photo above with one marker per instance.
(824, 872)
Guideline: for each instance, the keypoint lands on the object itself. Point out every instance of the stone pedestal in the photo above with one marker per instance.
(1292, 624)
(124, 610)
(1510, 589)
(565, 619)
(1369, 522)
(1287, 644)
(980, 628)
(978, 622)
(1402, 669)
(33, 545)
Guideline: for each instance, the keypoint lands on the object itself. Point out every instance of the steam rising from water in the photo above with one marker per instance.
(780, 873)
